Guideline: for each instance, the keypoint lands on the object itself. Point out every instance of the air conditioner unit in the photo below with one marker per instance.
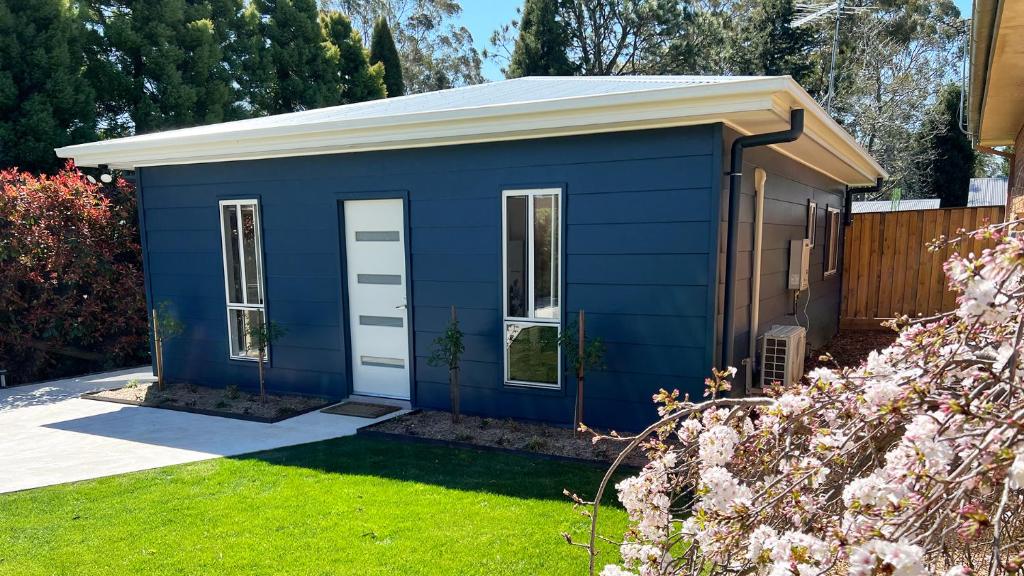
(782, 355)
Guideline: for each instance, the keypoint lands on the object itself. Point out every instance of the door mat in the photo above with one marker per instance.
(361, 409)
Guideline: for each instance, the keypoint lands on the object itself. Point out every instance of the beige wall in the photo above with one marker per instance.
(1016, 184)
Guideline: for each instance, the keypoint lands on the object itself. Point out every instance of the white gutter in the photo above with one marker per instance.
(755, 289)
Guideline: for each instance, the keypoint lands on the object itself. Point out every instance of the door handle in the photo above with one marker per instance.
(401, 306)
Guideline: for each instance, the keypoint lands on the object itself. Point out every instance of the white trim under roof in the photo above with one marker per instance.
(539, 107)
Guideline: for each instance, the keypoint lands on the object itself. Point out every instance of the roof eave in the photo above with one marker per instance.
(738, 104)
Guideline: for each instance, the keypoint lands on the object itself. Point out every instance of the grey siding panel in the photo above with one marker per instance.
(788, 189)
(639, 251)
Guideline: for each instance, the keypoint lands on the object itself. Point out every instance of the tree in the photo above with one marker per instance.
(945, 158)
(294, 64)
(540, 49)
(435, 52)
(605, 37)
(769, 45)
(300, 58)
(447, 350)
(70, 276)
(910, 464)
(892, 63)
(263, 334)
(166, 326)
(45, 102)
(353, 78)
(159, 64)
(383, 50)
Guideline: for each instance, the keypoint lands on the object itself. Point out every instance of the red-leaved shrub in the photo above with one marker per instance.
(71, 289)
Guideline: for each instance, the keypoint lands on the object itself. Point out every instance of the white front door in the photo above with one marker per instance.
(378, 310)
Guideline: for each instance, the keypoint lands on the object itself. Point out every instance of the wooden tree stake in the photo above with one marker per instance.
(581, 340)
(453, 375)
(158, 351)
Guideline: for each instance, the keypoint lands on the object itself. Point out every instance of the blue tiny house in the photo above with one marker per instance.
(520, 203)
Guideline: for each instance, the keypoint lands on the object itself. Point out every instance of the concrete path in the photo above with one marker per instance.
(48, 435)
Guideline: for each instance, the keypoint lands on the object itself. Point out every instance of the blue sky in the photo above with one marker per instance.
(484, 16)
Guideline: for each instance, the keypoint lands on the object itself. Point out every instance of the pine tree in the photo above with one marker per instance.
(158, 64)
(383, 50)
(769, 45)
(45, 102)
(946, 159)
(541, 47)
(296, 69)
(349, 63)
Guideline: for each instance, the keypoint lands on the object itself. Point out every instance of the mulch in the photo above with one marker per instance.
(226, 403)
(851, 347)
(504, 434)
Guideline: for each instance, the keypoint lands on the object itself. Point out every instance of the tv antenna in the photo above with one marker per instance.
(810, 12)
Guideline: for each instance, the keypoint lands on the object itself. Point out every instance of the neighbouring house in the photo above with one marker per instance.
(519, 202)
(995, 104)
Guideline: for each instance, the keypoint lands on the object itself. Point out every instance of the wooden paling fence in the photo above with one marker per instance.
(888, 270)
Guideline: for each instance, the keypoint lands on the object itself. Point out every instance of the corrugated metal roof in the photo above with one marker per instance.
(493, 94)
(867, 206)
(532, 107)
(987, 192)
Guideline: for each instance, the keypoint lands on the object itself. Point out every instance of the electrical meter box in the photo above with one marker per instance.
(799, 263)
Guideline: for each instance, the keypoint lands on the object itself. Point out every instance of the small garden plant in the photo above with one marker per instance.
(447, 351)
(581, 354)
(910, 464)
(165, 327)
(263, 335)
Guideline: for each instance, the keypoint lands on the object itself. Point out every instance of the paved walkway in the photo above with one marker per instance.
(48, 435)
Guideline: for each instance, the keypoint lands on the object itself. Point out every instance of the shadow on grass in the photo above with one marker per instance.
(518, 476)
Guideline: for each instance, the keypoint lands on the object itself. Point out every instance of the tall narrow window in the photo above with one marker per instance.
(832, 249)
(243, 273)
(532, 286)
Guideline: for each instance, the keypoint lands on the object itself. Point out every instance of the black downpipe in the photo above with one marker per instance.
(796, 128)
(848, 208)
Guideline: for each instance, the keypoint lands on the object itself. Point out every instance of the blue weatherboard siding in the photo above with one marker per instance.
(640, 212)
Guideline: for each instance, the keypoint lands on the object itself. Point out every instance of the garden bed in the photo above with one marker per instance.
(227, 403)
(851, 347)
(503, 435)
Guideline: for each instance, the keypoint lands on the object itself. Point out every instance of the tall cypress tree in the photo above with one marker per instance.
(383, 50)
(349, 63)
(541, 47)
(45, 102)
(946, 157)
(296, 70)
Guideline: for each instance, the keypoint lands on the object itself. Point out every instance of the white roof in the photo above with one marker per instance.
(987, 192)
(865, 206)
(533, 107)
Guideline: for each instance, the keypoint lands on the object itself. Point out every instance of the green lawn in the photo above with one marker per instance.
(348, 506)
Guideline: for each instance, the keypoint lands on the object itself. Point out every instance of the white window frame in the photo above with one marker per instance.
(812, 220)
(244, 305)
(529, 321)
(834, 224)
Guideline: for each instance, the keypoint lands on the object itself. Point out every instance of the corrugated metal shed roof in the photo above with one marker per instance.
(987, 192)
(867, 206)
